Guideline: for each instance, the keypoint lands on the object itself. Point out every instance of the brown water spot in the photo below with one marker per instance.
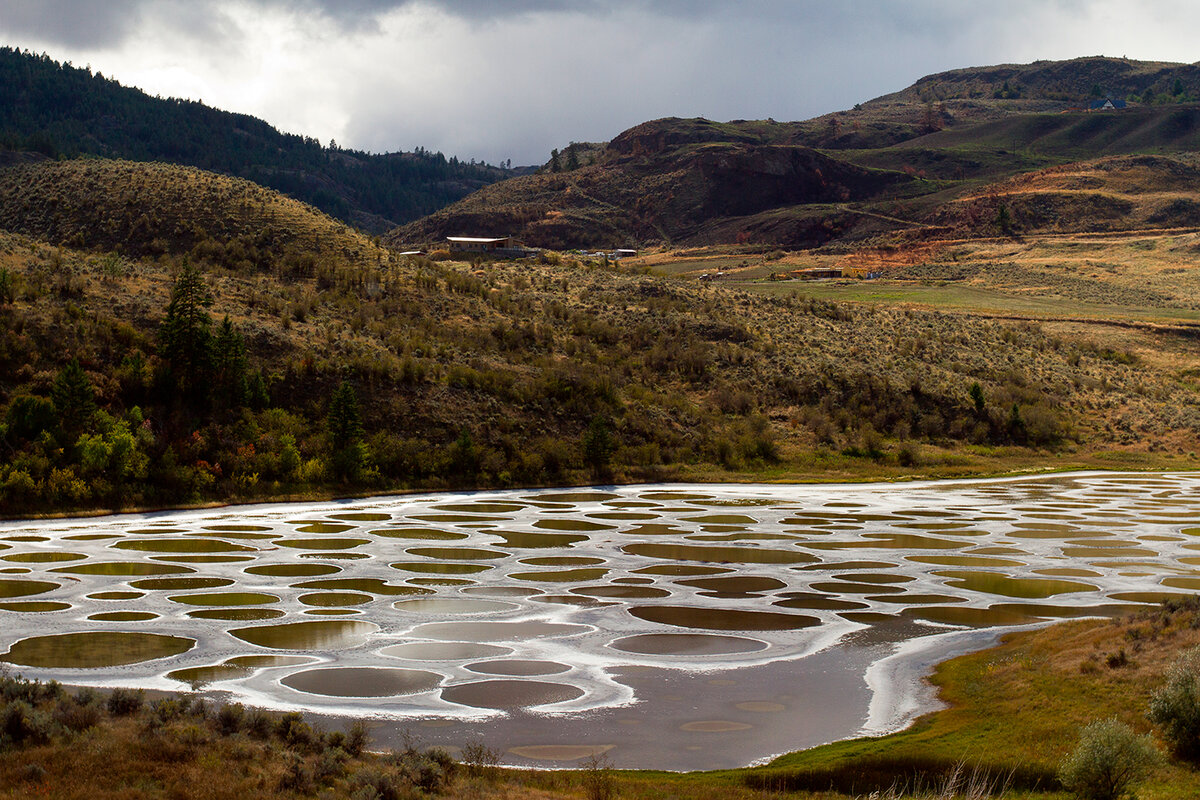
(817, 602)
(878, 578)
(572, 600)
(623, 515)
(35, 606)
(572, 525)
(92, 650)
(331, 612)
(322, 544)
(1068, 572)
(180, 546)
(966, 561)
(439, 581)
(444, 651)
(481, 507)
(238, 667)
(734, 585)
(42, 558)
(435, 568)
(452, 518)
(503, 591)
(686, 644)
(714, 726)
(852, 587)
(237, 614)
(518, 668)
(562, 561)
(723, 619)
(81, 537)
(623, 592)
(761, 707)
(506, 694)
(496, 631)
(203, 559)
(116, 595)
(235, 534)
(225, 599)
(293, 570)
(561, 576)
(124, 616)
(372, 585)
(655, 529)
(124, 568)
(1182, 583)
(425, 534)
(736, 555)
(675, 496)
(321, 526)
(560, 752)
(322, 635)
(849, 565)
(453, 605)
(181, 583)
(722, 519)
(335, 599)
(917, 599)
(362, 516)
(238, 528)
(456, 553)
(1000, 584)
(362, 681)
(12, 587)
(681, 570)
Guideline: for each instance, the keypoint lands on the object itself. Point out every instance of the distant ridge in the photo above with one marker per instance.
(58, 109)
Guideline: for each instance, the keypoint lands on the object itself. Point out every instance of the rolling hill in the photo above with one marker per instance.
(552, 371)
(889, 164)
(61, 110)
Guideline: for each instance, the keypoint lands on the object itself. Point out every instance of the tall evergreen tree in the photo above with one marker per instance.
(74, 399)
(184, 335)
(344, 422)
(229, 382)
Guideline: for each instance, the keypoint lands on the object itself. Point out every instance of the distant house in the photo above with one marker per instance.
(479, 244)
(623, 252)
(817, 273)
(505, 246)
(1107, 104)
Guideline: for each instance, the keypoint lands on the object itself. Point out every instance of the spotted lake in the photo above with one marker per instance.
(671, 626)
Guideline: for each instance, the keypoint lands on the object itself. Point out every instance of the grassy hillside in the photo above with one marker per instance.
(58, 109)
(515, 373)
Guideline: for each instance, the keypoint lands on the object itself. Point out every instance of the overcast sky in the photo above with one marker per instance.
(499, 80)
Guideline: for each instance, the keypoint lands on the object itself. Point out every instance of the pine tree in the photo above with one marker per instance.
(74, 399)
(229, 382)
(346, 432)
(184, 334)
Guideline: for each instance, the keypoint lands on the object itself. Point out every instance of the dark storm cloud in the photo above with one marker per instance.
(71, 22)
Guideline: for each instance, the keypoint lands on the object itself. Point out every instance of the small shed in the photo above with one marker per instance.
(1107, 104)
(480, 244)
(623, 252)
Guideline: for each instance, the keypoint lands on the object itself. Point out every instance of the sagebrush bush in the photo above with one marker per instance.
(1109, 759)
(1175, 706)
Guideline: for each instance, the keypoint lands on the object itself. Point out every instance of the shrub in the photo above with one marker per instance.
(356, 738)
(1109, 759)
(1175, 707)
(21, 723)
(229, 718)
(123, 702)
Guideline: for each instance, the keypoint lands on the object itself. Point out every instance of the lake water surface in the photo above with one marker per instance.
(672, 626)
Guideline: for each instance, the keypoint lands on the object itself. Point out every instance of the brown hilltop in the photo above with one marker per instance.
(671, 180)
